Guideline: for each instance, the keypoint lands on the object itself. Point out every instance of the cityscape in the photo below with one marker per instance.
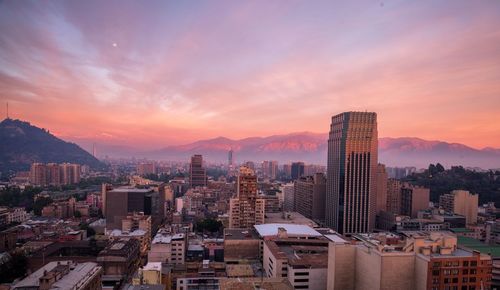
(222, 145)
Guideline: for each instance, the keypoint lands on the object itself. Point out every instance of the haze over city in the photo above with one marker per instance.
(174, 72)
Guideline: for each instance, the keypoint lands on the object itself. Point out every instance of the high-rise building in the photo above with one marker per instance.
(297, 170)
(381, 188)
(270, 169)
(230, 161)
(461, 202)
(351, 172)
(394, 195)
(288, 197)
(197, 173)
(53, 174)
(38, 174)
(70, 173)
(309, 197)
(246, 209)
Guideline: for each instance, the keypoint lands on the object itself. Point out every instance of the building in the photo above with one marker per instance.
(241, 245)
(254, 283)
(288, 191)
(309, 196)
(394, 195)
(168, 248)
(137, 221)
(122, 201)
(119, 260)
(413, 200)
(230, 160)
(197, 173)
(414, 261)
(461, 202)
(303, 262)
(246, 209)
(351, 172)
(63, 275)
(297, 170)
(146, 168)
(270, 169)
(381, 188)
(54, 174)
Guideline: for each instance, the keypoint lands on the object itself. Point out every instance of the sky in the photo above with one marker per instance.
(155, 73)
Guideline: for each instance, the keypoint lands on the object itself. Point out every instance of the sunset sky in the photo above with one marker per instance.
(154, 73)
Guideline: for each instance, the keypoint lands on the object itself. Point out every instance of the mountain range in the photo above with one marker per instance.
(22, 144)
(25, 143)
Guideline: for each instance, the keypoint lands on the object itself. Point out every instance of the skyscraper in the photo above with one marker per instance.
(197, 173)
(309, 196)
(351, 172)
(230, 159)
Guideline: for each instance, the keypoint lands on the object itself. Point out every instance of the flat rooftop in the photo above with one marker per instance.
(255, 283)
(240, 234)
(131, 189)
(289, 218)
(266, 230)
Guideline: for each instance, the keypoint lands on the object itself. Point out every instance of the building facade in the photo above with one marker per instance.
(351, 172)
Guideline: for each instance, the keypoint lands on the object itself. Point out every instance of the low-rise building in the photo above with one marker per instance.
(168, 248)
(63, 275)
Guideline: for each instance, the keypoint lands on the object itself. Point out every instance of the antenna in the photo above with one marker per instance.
(7, 110)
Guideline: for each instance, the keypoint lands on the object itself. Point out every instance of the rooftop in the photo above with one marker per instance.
(131, 189)
(473, 244)
(289, 218)
(240, 234)
(265, 230)
(152, 266)
(239, 270)
(255, 283)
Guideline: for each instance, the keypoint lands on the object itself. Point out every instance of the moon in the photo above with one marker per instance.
(115, 44)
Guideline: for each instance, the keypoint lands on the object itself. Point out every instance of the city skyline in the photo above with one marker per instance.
(165, 74)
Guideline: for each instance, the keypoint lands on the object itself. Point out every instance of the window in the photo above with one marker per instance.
(473, 263)
(454, 280)
(435, 272)
(301, 280)
(465, 280)
(466, 263)
(472, 279)
(301, 273)
(437, 264)
(465, 272)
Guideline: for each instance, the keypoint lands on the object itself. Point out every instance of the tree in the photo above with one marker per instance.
(40, 203)
(14, 268)
(209, 225)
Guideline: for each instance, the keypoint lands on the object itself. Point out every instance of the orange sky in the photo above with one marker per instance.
(169, 73)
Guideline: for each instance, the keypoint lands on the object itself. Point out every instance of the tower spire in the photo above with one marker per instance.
(7, 110)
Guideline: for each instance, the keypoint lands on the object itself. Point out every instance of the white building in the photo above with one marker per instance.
(167, 248)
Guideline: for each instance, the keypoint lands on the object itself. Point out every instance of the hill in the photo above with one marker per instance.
(22, 144)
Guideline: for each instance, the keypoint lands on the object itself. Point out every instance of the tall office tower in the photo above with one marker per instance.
(288, 197)
(381, 188)
(351, 173)
(297, 170)
(287, 170)
(53, 174)
(197, 173)
(461, 202)
(246, 209)
(309, 192)
(394, 187)
(38, 174)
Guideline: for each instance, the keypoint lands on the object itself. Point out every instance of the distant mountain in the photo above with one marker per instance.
(22, 144)
(312, 148)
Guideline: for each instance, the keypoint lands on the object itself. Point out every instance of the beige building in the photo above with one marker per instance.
(387, 261)
(246, 209)
(167, 248)
(461, 202)
(303, 262)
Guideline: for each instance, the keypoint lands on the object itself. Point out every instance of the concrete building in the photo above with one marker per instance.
(413, 200)
(303, 262)
(119, 260)
(241, 245)
(309, 196)
(138, 221)
(461, 202)
(381, 188)
(297, 170)
(394, 195)
(168, 248)
(417, 261)
(351, 173)
(197, 172)
(122, 201)
(288, 191)
(146, 168)
(63, 275)
(246, 209)
(270, 169)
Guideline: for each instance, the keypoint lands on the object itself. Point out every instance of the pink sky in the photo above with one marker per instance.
(151, 75)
